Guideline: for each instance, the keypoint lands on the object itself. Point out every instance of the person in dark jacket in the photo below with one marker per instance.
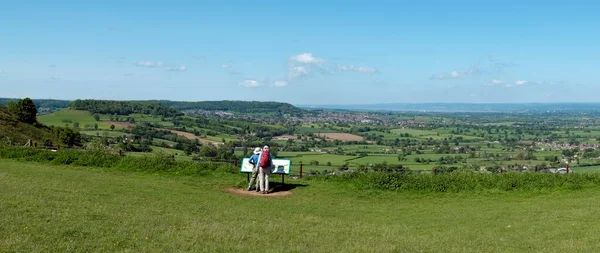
(254, 161)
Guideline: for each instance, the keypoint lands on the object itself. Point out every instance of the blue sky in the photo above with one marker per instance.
(302, 52)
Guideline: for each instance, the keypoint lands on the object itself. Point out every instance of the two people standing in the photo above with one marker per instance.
(263, 164)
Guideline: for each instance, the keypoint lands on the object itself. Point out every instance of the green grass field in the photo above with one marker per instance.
(59, 208)
(83, 117)
(179, 155)
(106, 133)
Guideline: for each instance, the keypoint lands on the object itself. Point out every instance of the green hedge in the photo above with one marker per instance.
(105, 160)
(466, 181)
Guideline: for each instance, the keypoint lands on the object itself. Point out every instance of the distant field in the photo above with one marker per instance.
(103, 133)
(340, 136)
(61, 117)
(365, 148)
(414, 132)
(191, 136)
(179, 155)
(76, 209)
(307, 130)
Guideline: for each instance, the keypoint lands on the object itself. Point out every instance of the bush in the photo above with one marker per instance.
(159, 163)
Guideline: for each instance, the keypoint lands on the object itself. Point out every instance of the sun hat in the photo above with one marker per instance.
(256, 150)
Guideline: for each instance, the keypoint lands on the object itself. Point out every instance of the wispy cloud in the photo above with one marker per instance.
(296, 72)
(303, 64)
(55, 77)
(483, 65)
(250, 83)
(366, 70)
(280, 83)
(178, 69)
(496, 81)
(225, 66)
(521, 82)
(499, 66)
(149, 64)
(307, 58)
(455, 74)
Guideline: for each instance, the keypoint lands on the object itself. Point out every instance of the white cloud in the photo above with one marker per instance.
(521, 82)
(55, 77)
(452, 75)
(180, 68)
(249, 83)
(280, 83)
(307, 58)
(496, 81)
(225, 66)
(296, 72)
(149, 64)
(367, 70)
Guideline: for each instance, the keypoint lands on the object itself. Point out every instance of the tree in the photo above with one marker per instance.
(95, 126)
(67, 136)
(96, 117)
(112, 127)
(76, 125)
(25, 110)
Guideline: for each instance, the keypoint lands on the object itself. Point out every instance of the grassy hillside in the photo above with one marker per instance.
(58, 208)
(20, 133)
(67, 116)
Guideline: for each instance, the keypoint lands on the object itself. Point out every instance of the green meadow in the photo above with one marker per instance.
(66, 116)
(45, 208)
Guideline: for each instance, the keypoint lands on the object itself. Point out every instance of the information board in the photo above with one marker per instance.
(280, 166)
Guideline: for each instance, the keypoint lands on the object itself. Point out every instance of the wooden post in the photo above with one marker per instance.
(235, 162)
(567, 168)
(434, 171)
(300, 169)
(35, 144)
(501, 170)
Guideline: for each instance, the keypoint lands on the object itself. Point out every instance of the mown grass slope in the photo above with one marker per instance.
(59, 208)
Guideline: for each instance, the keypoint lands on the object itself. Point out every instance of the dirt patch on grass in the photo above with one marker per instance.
(120, 124)
(340, 136)
(285, 137)
(244, 192)
(191, 136)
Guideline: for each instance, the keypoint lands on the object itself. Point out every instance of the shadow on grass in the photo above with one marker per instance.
(279, 187)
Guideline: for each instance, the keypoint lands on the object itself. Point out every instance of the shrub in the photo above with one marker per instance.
(97, 158)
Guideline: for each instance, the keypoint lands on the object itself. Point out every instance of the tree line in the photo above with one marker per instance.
(40, 103)
(235, 106)
(124, 107)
